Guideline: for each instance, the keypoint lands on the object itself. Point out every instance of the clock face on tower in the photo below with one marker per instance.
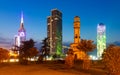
(22, 34)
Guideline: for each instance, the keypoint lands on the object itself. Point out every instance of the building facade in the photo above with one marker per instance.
(54, 32)
(101, 39)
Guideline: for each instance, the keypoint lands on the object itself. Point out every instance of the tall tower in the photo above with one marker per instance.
(76, 29)
(21, 33)
(101, 39)
(54, 32)
(20, 37)
(78, 54)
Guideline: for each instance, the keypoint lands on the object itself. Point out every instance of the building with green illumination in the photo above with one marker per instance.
(54, 32)
(101, 39)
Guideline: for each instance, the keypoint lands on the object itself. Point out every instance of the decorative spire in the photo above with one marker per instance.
(21, 23)
(21, 17)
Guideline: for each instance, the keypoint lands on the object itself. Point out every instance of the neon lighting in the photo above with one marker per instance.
(101, 39)
(59, 43)
(22, 34)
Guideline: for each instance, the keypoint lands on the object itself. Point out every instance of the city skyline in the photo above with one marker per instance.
(36, 12)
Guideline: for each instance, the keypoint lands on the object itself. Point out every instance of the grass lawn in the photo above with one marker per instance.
(46, 69)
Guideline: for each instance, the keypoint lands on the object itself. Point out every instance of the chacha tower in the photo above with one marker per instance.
(101, 39)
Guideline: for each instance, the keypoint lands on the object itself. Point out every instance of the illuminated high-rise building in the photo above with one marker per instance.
(101, 39)
(21, 33)
(54, 32)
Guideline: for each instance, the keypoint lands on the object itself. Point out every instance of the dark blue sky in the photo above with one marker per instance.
(91, 12)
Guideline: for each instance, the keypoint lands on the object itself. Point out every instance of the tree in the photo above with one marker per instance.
(33, 52)
(45, 48)
(111, 59)
(27, 50)
(86, 63)
(86, 45)
(4, 54)
(69, 60)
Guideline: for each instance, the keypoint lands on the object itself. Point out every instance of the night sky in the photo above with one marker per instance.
(91, 12)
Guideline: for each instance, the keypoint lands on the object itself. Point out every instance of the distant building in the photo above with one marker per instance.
(54, 32)
(21, 34)
(101, 39)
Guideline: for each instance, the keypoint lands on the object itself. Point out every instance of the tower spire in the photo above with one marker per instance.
(21, 17)
(21, 23)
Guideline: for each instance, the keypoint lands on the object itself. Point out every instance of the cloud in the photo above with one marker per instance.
(5, 42)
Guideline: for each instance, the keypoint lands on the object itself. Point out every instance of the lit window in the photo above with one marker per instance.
(56, 18)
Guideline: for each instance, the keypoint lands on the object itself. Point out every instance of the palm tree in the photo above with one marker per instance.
(45, 48)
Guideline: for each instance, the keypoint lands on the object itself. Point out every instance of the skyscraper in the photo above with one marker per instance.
(101, 39)
(21, 33)
(54, 32)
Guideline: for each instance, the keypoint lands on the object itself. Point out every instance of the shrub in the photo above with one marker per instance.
(111, 59)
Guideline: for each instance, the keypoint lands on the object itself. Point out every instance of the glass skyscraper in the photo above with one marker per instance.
(54, 32)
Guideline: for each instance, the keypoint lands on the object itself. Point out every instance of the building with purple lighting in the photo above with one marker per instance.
(21, 36)
(101, 39)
